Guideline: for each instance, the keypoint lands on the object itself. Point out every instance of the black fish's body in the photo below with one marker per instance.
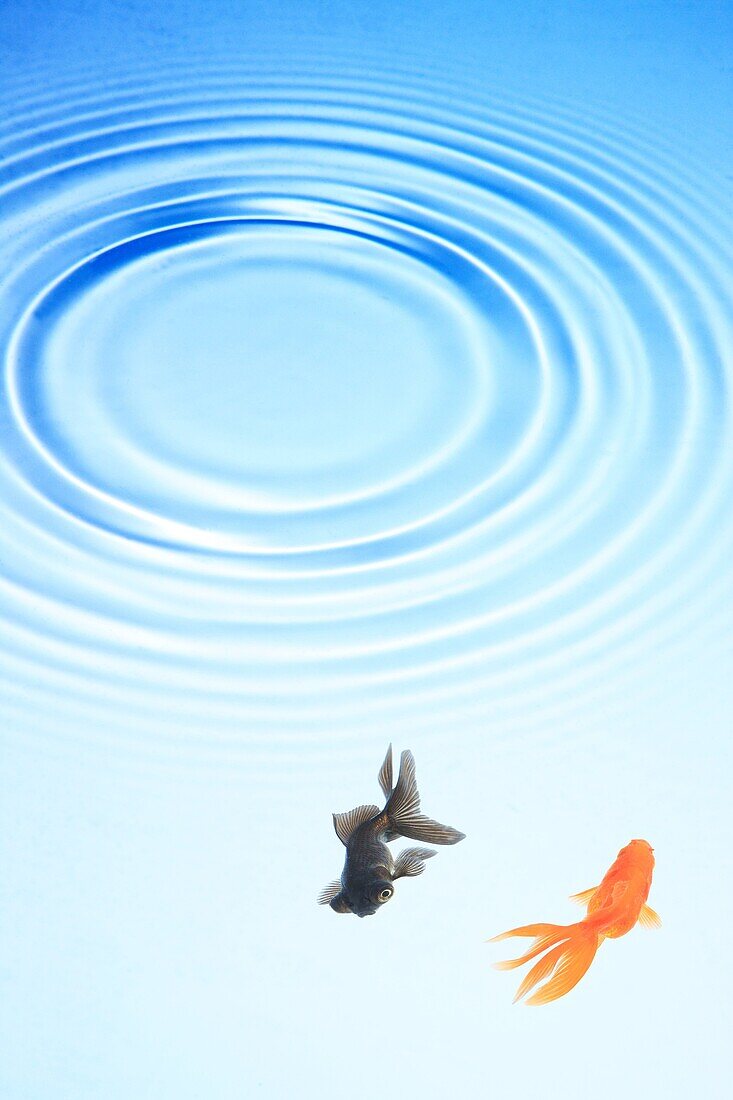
(370, 870)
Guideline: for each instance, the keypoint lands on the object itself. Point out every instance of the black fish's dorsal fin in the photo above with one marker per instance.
(410, 862)
(344, 824)
(328, 893)
(385, 774)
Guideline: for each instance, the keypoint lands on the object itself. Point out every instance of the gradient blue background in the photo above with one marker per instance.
(162, 848)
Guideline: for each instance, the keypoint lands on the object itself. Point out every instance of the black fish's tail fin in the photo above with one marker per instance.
(385, 774)
(403, 808)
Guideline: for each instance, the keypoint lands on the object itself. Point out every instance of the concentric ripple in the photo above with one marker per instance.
(323, 397)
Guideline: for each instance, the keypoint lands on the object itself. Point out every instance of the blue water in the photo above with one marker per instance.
(367, 375)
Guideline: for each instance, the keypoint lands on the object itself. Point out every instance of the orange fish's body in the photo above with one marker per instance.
(614, 908)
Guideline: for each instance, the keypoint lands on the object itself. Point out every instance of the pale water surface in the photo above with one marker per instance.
(367, 375)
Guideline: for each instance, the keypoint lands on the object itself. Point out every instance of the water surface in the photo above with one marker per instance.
(366, 378)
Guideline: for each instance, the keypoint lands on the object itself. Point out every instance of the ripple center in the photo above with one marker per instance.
(250, 367)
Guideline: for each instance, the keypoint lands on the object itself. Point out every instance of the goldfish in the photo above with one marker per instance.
(613, 908)
(370, 871)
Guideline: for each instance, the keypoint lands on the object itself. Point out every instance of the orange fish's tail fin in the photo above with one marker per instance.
(570, 949)
(527, 930)
(545, 935)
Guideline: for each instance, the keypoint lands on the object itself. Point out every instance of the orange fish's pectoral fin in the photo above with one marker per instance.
(584, 896)
(648, 918)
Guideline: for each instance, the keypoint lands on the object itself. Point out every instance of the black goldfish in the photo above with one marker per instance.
(369, 871)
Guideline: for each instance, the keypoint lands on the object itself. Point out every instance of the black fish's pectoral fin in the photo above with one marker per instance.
(410, 862)
(328, 893)
(340, 905)
(385, 774)
(344, 824)
(403, 809)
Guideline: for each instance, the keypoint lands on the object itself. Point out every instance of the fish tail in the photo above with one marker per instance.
(573, 960)
(570, 949)
(528, 930)
(545, 935)
(403, 809)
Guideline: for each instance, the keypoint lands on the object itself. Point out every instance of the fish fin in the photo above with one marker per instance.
(344, 824)
(405, 799)
(423, 828)
(339, 904)
(572, 963)
(403, 809)
(570, 949)
(648, 918)
(385, 774)
(546, 935)
(540, 970)
(584, 896)
(526, 930)
(410, 862)
(328, 893)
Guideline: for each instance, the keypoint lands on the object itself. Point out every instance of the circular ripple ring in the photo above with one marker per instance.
(326, 392)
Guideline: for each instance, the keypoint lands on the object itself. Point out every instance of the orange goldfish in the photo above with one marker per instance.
(614, 908)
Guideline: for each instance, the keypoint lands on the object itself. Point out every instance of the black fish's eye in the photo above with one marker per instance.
(386, 893)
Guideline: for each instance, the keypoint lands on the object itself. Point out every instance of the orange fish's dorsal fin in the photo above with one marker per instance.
(648, 918)
(344, 824)
(584, 896)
